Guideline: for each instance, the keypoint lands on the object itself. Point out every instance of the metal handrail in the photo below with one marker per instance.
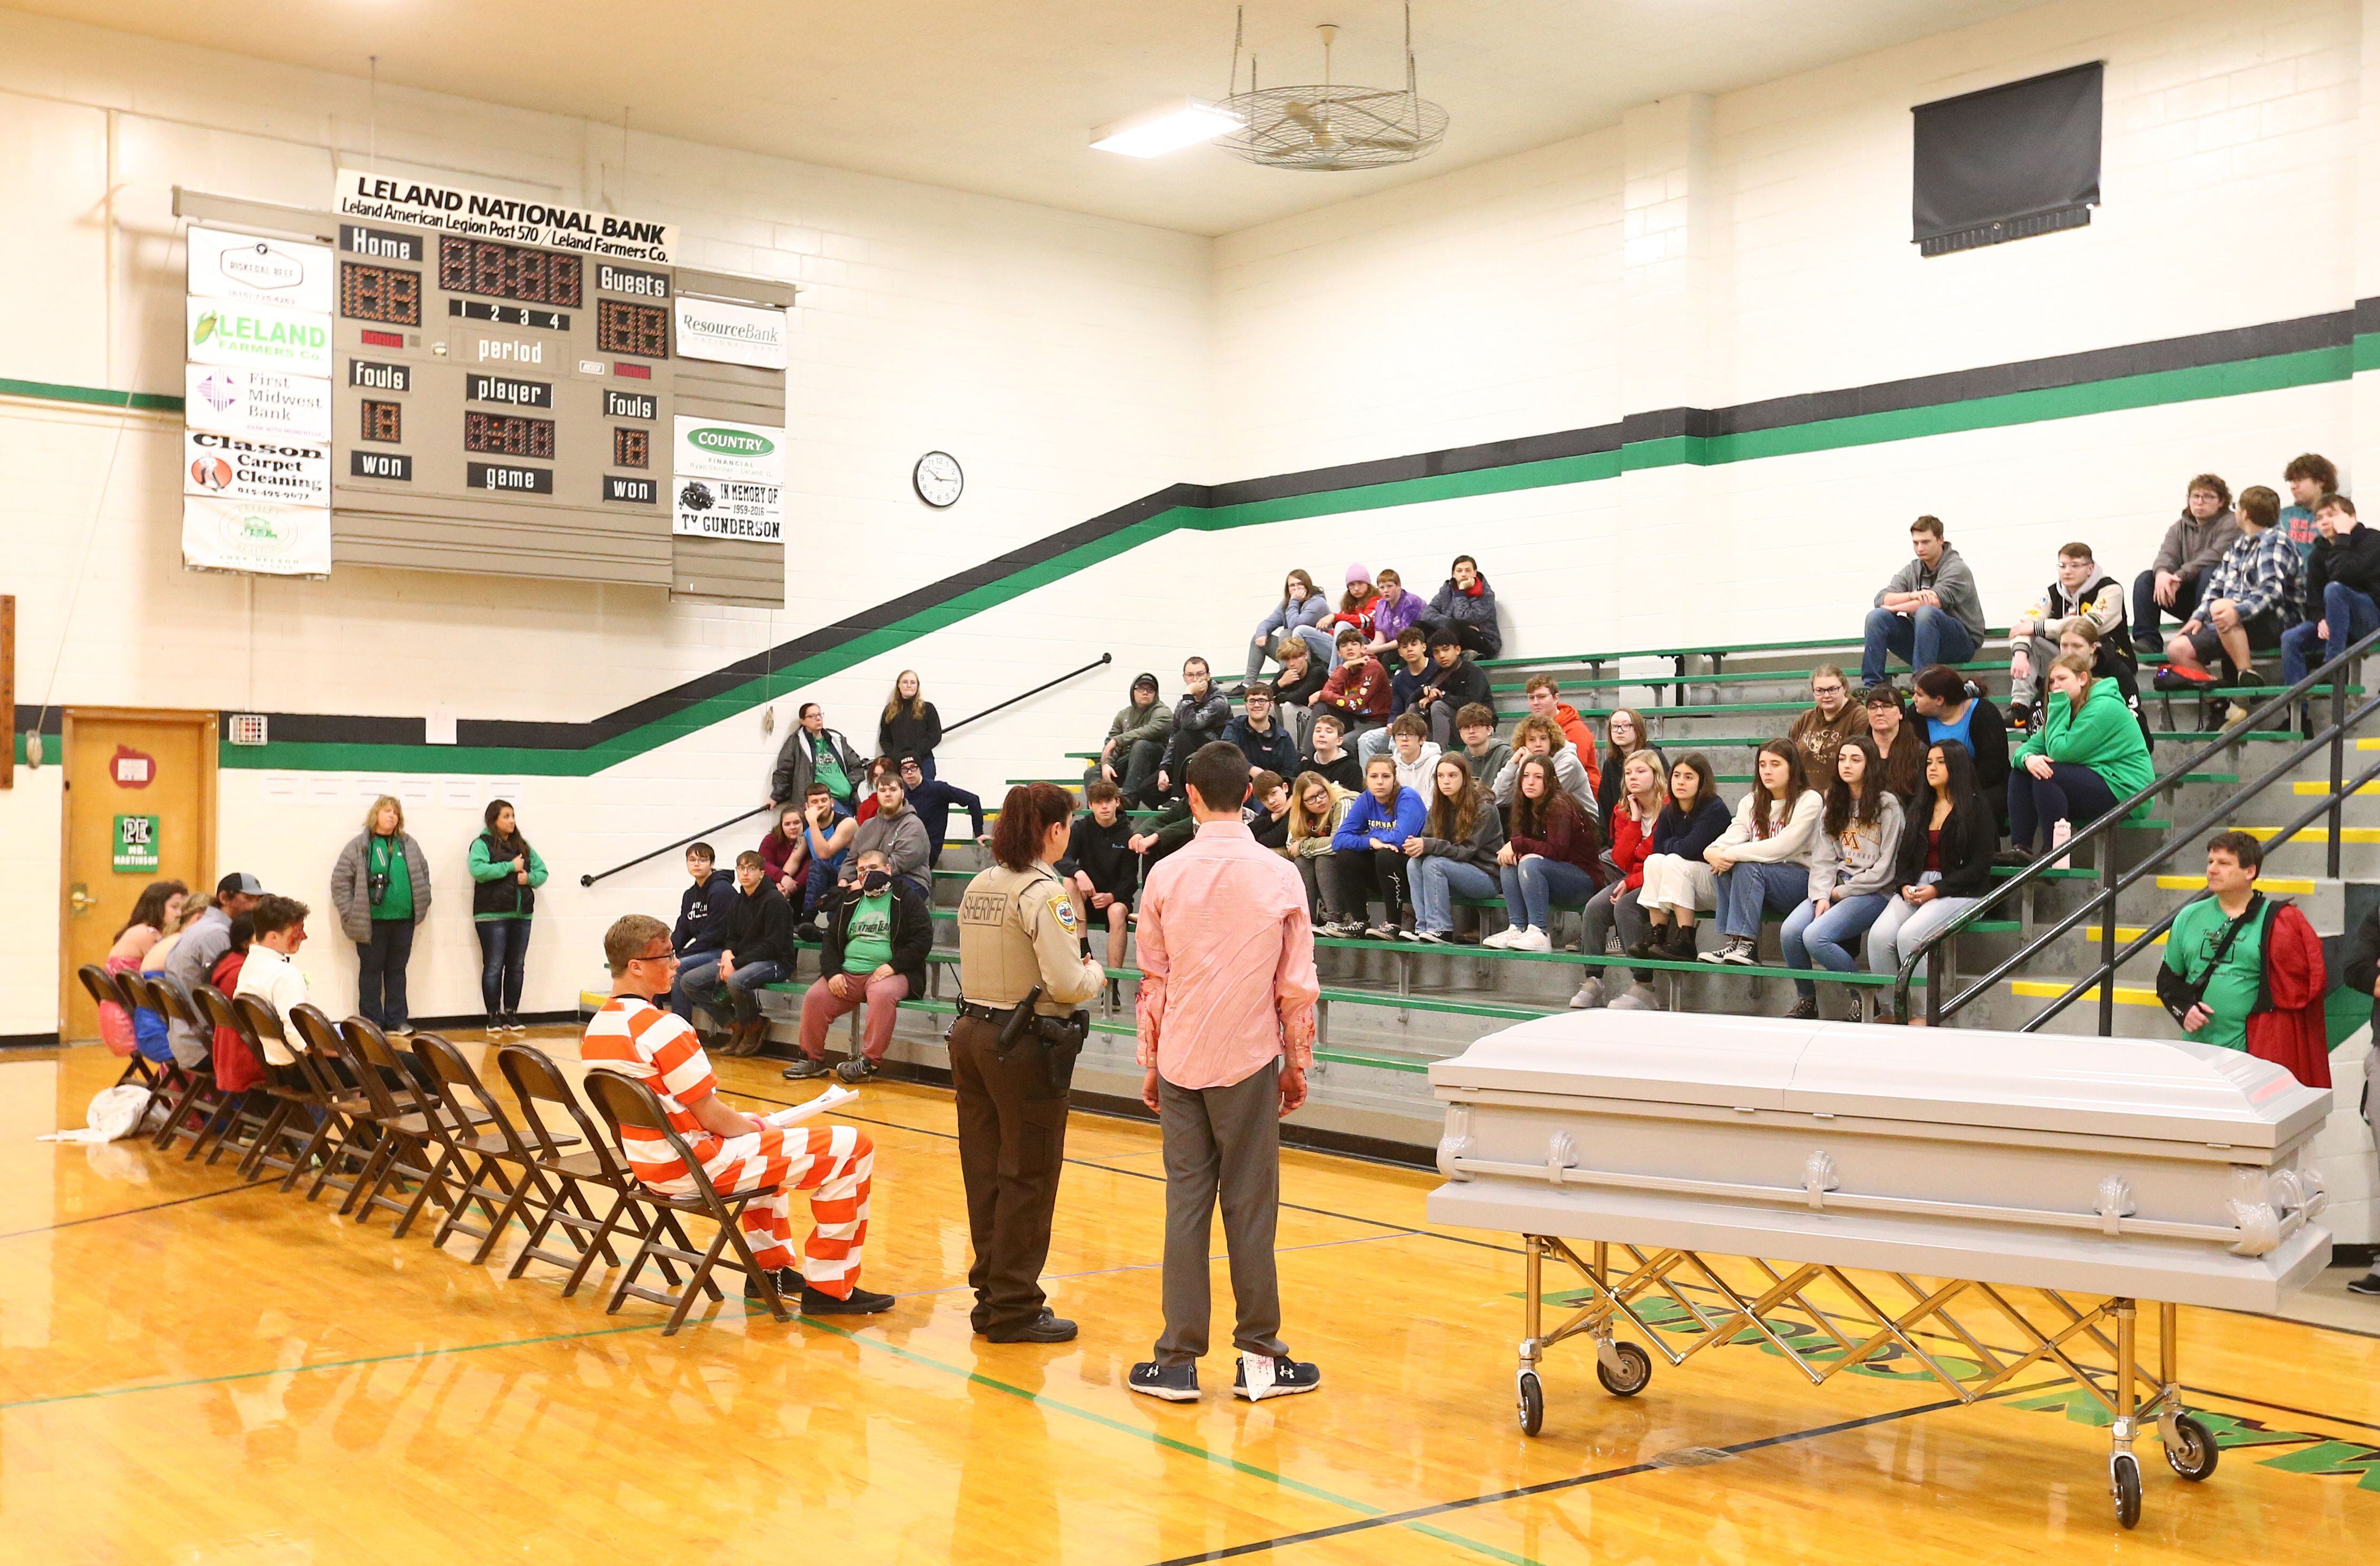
(1103, 660)
(1934, 951)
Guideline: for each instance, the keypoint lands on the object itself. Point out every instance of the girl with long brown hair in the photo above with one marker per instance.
(1300, 613)
(1762, 860)
(910, 724)
(1851, 865)
(1551, 855)
(1456, 852)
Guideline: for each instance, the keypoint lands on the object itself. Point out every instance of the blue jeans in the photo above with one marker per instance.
(1930, 635)
(1537, 883)
(1750, 890)
(1827, 939)
(2351, 616)
(2071, 791)
(1436, 881)
(504, 949)
(684, 995)
(737, 994)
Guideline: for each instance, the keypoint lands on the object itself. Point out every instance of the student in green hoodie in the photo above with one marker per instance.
(2083, 755)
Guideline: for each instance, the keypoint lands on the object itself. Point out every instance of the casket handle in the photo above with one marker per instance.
(2116, 1204)
(1818, 1177)
(1455, 1146)
(1561, 1153)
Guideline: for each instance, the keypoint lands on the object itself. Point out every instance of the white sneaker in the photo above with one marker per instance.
(1639, 998)
(1503, 939)
(1589, 996)
(1533, 940)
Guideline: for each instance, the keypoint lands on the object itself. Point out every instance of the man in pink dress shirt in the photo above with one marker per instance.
(1227, 996)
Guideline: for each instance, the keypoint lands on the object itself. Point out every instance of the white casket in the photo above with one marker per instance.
(2137, 1168)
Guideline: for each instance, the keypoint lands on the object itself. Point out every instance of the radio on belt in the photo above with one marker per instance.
(1710, 1175)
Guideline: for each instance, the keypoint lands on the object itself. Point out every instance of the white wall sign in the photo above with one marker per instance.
(728, 333)
(392, 199)
(257, 336)
(272, 540)
(257, 270)
(239, 469)
(256, 402)
(729, 479)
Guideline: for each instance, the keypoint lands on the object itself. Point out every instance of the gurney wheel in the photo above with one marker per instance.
(1636, 1371)
(2197, 1459)
(1532, 1408)
(2124, 1476)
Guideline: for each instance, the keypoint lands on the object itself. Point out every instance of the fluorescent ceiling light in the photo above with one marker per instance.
(1186, 122)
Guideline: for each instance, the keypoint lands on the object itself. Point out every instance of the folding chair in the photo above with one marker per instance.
(353, 1145)
(622, 1101)
(303, 1123)
(104, 991)
(245, 1115)
(198, 1087)
(405, 1151)
(481, 1153)
(538, 1082)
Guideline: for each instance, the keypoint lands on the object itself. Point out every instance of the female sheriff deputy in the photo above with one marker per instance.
(1023, 975)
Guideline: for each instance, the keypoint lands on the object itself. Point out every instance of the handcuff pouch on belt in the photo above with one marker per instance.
(1059, 1041)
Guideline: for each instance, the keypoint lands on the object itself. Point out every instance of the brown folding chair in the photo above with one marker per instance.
(303, 1123)
(486, 1144)
(245, 1115)
(198, 1089)
(352, 1144)
(411, 1146)
(624, 1101)
(104, 992)
(537, 1085)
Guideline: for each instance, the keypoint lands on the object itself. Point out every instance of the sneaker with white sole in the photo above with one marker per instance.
(1532, 939)
(1263, 1375)
(1589, 996)
(1742, 950)
(1640, 998)
(1429, 937)
(1174, 1383)
(1503, 939)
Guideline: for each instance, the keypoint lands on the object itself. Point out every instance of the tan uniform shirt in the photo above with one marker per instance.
(1018, 928)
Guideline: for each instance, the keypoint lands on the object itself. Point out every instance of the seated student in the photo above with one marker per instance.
(237, 1067)
(1551, 854)
(1452, 682)
(279, 926)
(1762, 861)
(1929, 613)
(2088, 754)
(1368, 853)
(1624, 734)
(2109, 662)
(1357, 691)
(910, 724)
(2310, 476)
(1416, 757)
(1357, 607)
(1296, 618)
(1896, 740)
(758, 952)
(1955, 709)
(1545, 701)
(827, 833)
(781, 855)
(2082, 592)
(2195, 545)
(1475, 725)
(1817, 734)
(1135, 741)
(934, 799)
(1407, 675)
(1394, 612)
(1677, 880)
(1175, 826)
(738, 1152)
(1199, 718)
(1332, 759)
(703, 908)
(1468, 603)
(895, 828)
(1456, 853)
(1100, 865)
(1303, 675)
(878, 932)
(1534, 735)
(2262, 985)
(2342, 589)
(1260, 734)
(198, 918)
(2255, 593)
(1945, 864)
(1853, 862)
(815, 753)
(1269, 797)
(1634, 809)
(1317, 806)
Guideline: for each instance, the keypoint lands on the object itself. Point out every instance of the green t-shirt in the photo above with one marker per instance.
(868, 944)
(2190, 949)
(827, 768)
(387, 858)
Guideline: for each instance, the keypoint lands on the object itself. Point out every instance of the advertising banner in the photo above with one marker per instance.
(263, 403)
(394, 198)
(257, 270)
(246, 336)
(729, 479)
(238, 468)
(272, 540)
(713, 329)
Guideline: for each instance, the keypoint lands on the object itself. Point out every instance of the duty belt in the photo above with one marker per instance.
(985, 1013)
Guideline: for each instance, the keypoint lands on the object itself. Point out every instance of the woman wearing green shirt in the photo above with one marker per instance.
(2084, 755)
(381, 888)
(506, 874)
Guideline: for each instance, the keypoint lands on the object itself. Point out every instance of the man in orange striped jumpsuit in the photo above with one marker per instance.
(639, 1036)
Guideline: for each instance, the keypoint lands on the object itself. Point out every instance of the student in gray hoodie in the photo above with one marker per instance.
(1929, 613)
(1853, 862)
(2195, 545)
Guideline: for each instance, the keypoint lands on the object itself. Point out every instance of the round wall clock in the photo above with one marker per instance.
(938, 478)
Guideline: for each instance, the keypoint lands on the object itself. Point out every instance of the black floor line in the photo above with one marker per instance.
(128, 1212)
(2278, 1407)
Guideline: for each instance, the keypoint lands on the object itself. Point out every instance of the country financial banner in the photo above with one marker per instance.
(729, 479)
(394, 198)
(274, 540)
(262, 403)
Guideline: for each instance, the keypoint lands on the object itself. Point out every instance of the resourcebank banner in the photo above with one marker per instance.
(731, 334)
(391, 198)
(730, 479)
(275, 540)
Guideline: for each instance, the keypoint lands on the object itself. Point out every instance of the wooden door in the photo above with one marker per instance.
(140, 807)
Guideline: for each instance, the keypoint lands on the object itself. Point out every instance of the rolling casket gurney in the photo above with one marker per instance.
(1956, 1166)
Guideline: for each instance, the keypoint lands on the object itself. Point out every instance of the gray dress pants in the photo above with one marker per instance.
(1226, 1142)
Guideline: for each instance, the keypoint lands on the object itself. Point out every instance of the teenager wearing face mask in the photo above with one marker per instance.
(878, 934)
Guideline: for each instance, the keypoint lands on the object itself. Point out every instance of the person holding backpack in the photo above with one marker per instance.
(506, 874)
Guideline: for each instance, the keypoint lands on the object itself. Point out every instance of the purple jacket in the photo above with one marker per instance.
(1390, 620)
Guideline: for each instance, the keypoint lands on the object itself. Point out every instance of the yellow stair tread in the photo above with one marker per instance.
(2282, 886)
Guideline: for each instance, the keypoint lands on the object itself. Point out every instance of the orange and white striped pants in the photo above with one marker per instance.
(834, 1164)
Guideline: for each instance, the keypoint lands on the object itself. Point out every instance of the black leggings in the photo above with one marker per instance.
(1354, 878)
(2071, 793)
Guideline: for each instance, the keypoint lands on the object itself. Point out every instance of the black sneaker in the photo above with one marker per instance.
(859, 1068)
(804, 1070)
(1426, 937)
(2367, 1284)
(1174, 1383)
(859, 1302)
(1047, 1327)
(789, 1284)
(1380, 932)
(1804, 1010)
(1277, 1378)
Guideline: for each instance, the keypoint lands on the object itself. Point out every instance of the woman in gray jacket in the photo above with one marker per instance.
(1852, 867)
(1455, 851)
(381, 888)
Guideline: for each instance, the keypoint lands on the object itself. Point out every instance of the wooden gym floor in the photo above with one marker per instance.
(191, 1370)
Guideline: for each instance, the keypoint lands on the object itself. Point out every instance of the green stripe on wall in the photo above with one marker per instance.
(89, 397)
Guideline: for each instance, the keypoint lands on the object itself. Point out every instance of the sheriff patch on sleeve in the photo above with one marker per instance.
(1063, 909)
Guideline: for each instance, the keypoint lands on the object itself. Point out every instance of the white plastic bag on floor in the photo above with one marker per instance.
(114, 1112)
